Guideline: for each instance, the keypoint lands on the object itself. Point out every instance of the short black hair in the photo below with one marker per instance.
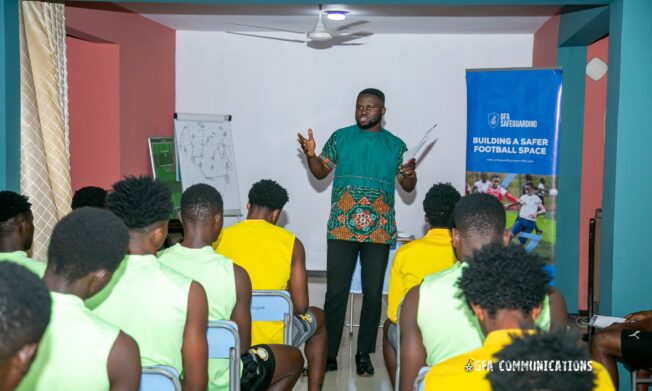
(556, 346)
(89, 196)
(87, 240)
(373, 91)
(530, 184)
(480, 214)
(500, 278)
(24, 308)
(439, 205)
(140, 201)
(12, 205)
(200, 201)
(268, 194)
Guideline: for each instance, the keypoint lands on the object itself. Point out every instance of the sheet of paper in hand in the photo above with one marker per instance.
(412, 152)
(601, 321)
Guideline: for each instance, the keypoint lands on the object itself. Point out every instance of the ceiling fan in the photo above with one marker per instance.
(319, 37)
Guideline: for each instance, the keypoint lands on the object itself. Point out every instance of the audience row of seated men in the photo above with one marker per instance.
(141, 310)
(164, 311)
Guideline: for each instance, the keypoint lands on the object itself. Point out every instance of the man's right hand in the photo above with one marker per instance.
(307, 144)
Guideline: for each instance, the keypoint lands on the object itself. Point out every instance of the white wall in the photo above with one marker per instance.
(275, 89)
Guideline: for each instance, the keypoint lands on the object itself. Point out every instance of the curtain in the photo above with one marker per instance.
(44, 148)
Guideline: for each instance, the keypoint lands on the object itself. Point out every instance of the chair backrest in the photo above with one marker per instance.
(159, 378)
(273, 306)
(224, 343)
(418, 382)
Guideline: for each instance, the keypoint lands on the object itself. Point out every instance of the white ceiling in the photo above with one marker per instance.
(373, 19)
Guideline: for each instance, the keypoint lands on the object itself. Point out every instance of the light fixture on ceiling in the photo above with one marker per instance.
(336, 14)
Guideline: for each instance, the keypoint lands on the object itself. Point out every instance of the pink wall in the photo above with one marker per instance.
(94, 101)
(544, 51)
(147, 72)
(595, 106)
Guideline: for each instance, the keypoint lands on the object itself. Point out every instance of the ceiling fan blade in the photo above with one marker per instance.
(266, 28)
(328, 44)
(341, 38)
(265, 37)
(350, 25)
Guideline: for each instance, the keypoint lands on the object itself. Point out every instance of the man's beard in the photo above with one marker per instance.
(370, 124)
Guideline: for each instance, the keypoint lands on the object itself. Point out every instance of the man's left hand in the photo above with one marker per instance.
(409, 169)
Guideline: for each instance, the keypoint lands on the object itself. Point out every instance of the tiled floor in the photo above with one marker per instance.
(345, 377)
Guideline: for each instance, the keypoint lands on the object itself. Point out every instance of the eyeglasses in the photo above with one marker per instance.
(367, 108)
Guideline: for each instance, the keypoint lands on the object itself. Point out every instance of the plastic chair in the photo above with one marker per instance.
(159, 378)
(273, 306)
(636, 380)
(418, 382)
(224, 343)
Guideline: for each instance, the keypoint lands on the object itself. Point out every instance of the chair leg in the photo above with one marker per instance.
(350, 314)
(634, 380)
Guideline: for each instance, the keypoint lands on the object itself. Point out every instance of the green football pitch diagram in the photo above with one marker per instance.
(165, 168)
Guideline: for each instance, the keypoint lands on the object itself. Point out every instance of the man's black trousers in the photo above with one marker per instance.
(341, 259)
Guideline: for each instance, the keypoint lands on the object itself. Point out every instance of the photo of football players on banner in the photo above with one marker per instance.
(511, 148)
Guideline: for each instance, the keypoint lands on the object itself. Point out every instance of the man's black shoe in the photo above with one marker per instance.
(331, 364)
(363, 364)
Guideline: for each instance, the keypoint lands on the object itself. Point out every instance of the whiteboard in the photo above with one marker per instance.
(204, 149)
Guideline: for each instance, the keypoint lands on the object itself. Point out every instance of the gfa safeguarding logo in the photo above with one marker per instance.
(492, 118)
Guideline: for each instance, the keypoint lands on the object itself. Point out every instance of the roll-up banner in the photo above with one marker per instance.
(512, 146)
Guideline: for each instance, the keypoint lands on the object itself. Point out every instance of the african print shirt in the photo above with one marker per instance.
(366, 165)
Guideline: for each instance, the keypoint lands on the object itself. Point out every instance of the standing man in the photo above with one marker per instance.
(368, 159)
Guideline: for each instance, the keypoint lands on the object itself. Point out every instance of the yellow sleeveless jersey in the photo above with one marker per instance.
(265, 252)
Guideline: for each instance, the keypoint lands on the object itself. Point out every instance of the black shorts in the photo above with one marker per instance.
(636, 347)
(258, 366)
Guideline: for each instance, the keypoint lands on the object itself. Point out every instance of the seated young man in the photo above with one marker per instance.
(415, 260)
(228, 290)
(89, 196)
(557, 346)
(164, 311)
(80, 351)
(24, 314)
(436, 324)
(505, 289)
(17, 231)
(630, 342)
(275, 260)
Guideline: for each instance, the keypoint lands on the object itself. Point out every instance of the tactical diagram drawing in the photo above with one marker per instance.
(205, 153)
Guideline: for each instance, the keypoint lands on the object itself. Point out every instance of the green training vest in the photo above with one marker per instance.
(215, 273)
(150, 303)
(448, 326)
(21, 258)
(74, 352)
